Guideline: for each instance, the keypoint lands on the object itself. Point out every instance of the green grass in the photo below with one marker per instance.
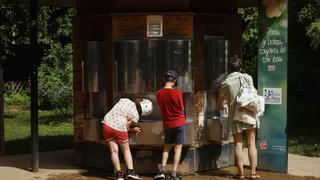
(303, 127)
(307, 146)
(53, 134)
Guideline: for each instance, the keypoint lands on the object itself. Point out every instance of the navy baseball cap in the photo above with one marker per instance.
(171, 74)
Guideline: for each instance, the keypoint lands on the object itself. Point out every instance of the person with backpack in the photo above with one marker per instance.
(228, 91)
(116, 123)
(170, 101)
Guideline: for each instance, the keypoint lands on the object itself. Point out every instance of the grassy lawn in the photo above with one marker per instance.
(303, 127)
(53, 135)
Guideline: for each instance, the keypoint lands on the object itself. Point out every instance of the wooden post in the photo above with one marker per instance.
(2, 139)
(34, 88)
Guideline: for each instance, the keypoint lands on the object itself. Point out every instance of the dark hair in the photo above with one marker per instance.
(138, 106)
(235, 63)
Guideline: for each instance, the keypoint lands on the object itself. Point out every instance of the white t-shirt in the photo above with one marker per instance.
(119, 115)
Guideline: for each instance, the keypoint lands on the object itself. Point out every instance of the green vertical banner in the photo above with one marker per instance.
(272, 83)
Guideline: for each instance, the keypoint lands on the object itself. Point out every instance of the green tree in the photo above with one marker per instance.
(303, 61)
(309, 16)
(250, 39)
(14, 26)
(54, 36)
(55, 73)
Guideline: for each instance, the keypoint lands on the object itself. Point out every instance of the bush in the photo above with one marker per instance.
(16, 99)
(55, 80)
(54, 94)
(16, 93)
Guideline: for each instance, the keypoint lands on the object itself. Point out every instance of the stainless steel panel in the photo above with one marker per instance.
(96, 105)
(215, 61)
(188, 106)
(211, 104)
(92, 130)
(217, 129)
(94, 72)
(216, 125)
(175, 54)
(141, 63)
(215, 67)
(214, 129)
(225, 128)
(153, 134)
(135, 61)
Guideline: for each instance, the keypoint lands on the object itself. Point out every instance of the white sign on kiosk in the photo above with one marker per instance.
(272, 95)
(154, 26)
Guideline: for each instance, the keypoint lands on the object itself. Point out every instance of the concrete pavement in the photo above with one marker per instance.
(58, 165)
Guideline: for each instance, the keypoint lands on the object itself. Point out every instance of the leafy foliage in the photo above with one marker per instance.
(313, 32)
(14, 26)
(55, 80)
(250, 39)
(309, 16)
(303, 61)
(54, 36)
(55, 73)
(16, 94)
(16, 99)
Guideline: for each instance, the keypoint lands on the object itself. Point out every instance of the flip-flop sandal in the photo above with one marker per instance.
(254, 176)
(238, 176)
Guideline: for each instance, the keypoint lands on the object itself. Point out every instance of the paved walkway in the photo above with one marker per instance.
(58, 165)
(17, 167)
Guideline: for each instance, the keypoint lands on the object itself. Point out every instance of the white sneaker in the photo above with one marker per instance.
(120, 175)
(133, 175)
(159, 176)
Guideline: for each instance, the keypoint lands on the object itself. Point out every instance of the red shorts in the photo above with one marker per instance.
(111, 134)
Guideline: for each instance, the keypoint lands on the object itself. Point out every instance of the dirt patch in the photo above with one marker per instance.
(14, 109)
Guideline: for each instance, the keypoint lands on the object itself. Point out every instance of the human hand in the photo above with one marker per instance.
(135, 129)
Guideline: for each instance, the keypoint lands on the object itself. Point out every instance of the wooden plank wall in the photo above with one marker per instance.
(136, 25)
(91, 7)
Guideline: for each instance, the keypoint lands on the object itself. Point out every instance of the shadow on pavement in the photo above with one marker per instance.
(220, 174)
(47, 160)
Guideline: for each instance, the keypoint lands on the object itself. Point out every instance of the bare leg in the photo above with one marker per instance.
(114, 155)
(165, 154)
(238, 151)
(125, 149)
(252, 150)
(177, 155)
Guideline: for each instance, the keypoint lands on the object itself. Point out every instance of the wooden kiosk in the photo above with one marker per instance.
(122, 47)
